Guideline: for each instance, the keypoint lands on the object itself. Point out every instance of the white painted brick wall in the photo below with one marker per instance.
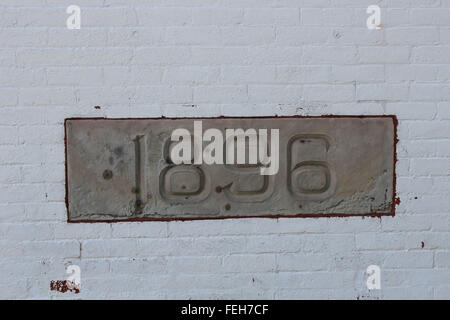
(223, 57)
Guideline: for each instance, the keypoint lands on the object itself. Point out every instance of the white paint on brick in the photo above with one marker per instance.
(223, 57)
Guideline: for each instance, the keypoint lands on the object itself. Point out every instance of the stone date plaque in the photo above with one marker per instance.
(122, 169)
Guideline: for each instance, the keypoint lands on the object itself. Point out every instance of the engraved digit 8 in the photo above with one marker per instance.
(183, 183)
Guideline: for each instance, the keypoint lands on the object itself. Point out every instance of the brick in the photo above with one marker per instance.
(272, 16)
(429, 16)
(327, 55)
(74, 76)
(275, 94)
(192, 75)
(410, 72)
(360, 73)
(217, 16)
(193, 36)
(431, 54)
(194, 265)
(27, 232)
(302, 74)
(298, 36)
(23, 37)
(412, 111)
(443, 110)
(220, 94)
(335, 93)
(163, 16)
(61, 37)
(442, 259)
(382, 92)
(424, 129)
(249, 263)
(387, 55)
(400, 36)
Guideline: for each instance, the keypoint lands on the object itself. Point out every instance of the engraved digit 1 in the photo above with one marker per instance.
(138, 205)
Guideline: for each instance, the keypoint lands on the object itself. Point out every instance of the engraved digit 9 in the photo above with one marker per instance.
(248, 184)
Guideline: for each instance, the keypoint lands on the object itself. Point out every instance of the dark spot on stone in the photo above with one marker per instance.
(218, 189)
(227, 207)
(135, 190)
(97, 107)
(337, 35)
(118, 151)
(422, 244)
(107, 174)
(138, 204)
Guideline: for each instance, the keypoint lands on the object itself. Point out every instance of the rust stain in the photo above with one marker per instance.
(423, 244)
(397, 201)
(97, 107)
(64, 286)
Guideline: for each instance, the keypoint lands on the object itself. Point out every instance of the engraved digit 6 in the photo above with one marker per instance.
(311, 177)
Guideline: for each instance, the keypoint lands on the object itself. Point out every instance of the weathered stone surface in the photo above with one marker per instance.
(119, 169)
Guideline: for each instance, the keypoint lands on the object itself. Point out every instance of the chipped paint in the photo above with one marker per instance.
(64, 286)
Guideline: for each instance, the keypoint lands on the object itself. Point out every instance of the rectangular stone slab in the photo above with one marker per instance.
(120, 169)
